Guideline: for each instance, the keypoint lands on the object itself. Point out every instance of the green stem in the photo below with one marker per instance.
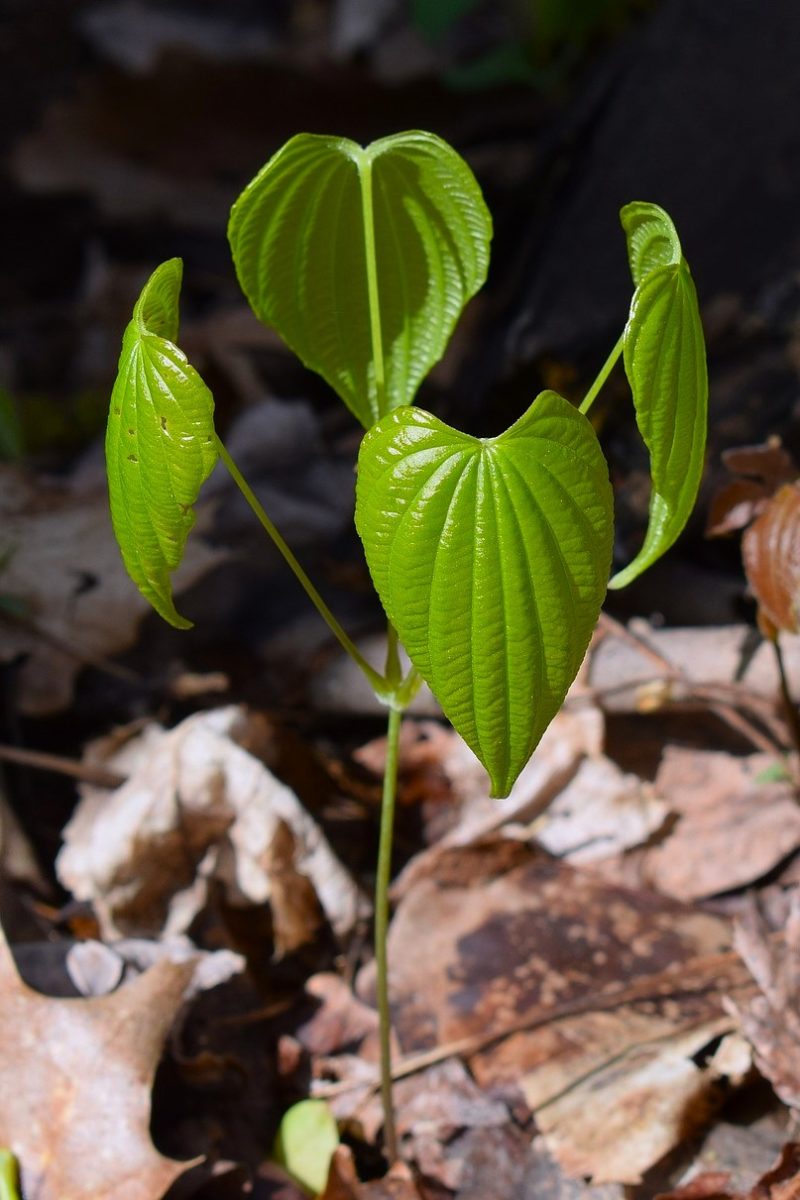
(382, 881)
(605, 371)
(376, 681)
(376, 334)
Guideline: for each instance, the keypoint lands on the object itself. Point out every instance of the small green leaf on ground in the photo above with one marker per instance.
(8, 1176)
(490, 557)
(160, 445)
(305, 1143)
(665, 362)
(363, 258)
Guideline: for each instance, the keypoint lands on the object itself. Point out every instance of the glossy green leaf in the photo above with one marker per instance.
(307, 1138)
(160, 444)
(362, 259)
(490, 557)
(665, 361)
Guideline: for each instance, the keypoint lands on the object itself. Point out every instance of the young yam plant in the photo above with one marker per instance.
(490, 555)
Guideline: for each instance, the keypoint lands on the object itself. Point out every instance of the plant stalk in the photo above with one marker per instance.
(376, 681)
(382, 881)
(789, 706)
(605, 371)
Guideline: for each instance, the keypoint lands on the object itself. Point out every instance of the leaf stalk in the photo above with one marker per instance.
(379, 684)
(382, 881)
(603, 375)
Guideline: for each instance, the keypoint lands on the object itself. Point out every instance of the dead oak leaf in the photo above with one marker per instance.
(75, 1084)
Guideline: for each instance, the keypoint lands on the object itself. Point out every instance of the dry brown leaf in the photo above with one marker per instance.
(734, 506)
(454, 1131)
(197, 807)
(75, 1083)
(64, 567)
(601, 812)
(771, 555)
(606, 995)
(732, 828)
(711, 1185)
(344, 1184)
(781, 1183)
(771, 1018)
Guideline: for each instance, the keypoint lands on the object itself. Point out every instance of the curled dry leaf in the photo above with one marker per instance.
(761, 470)
(771, 554)
(62, 565)
(197, 807)
(75, 1083)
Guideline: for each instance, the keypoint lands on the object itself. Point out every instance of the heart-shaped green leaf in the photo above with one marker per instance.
(160, 444)
(490, 557)
(362, 259)
(665, 362)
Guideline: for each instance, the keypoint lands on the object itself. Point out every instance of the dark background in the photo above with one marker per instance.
(129, 127)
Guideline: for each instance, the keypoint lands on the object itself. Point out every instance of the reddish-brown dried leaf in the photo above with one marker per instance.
(75, 1083)
(734, 506)
(771, 553)
(711, 1185)
(782, 1182)
(769, 463)
(344, 1184)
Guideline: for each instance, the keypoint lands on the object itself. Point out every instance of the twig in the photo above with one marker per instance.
(40, 761)
(721, 708)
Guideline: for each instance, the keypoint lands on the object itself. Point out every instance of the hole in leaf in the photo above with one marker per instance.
(133, 458)
(164, 423)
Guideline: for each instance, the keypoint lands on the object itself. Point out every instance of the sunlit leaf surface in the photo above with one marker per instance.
(363, 259)
(491, 558)
(160, 445)
(665, 362)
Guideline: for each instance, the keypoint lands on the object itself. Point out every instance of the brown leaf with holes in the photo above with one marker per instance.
(771, 554)
(75, 1084)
